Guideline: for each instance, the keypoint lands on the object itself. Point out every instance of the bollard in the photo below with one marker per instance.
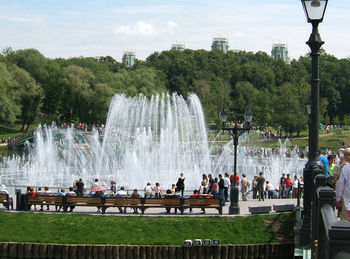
(18, 199)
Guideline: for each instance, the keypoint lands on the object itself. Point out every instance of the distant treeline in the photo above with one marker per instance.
(81, 88)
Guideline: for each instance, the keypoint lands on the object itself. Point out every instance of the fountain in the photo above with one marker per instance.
(144, 140)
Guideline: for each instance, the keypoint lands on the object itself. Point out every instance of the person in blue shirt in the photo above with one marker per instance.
(324, 161)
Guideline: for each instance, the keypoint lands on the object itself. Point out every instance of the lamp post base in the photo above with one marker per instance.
(312, 168)
(234, 207)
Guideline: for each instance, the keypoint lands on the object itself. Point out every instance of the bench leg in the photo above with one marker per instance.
(220, 211)
(103, 209)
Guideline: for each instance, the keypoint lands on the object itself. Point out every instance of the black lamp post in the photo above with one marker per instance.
(235, 132)
(314, 10)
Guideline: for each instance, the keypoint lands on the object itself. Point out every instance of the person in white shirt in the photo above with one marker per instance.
(95, 183)
(148, 190)
(270, 190)
(121, 193)
(295, 187)
(226, 185)
(343, 188)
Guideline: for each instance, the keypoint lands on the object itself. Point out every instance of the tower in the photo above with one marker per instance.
(220, 44)
(178, 46)
(129, 58)
(280, 51)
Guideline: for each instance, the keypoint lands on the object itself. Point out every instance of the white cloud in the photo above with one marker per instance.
(172, 25)
(25, 19)
(141, 28)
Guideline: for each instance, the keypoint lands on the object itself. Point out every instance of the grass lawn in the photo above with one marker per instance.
(333, 141)
(90, 229)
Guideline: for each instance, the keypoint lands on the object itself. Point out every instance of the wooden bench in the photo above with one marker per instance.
(82, 201)
(6, 200)
(203, 203)
(42, 199)
(121, 202)
(166, 202)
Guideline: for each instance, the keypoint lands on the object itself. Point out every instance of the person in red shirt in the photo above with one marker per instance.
(232, 177)
(288, 184)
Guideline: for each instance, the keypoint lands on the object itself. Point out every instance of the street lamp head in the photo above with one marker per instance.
(308, 105)
(248, 116)
(223, 116)
(314, 10)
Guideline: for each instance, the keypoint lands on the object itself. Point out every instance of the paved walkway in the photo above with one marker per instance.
(244, 209)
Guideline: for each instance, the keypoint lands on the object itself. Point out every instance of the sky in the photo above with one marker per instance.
(66, 28)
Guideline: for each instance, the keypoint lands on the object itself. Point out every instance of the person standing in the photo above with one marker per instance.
(254, 187)
(80, 187)
(295, 187)
(301, 186)
(215, 187)
(222, 189)
(270, 190)
(341, 194)
(288, 184)
(260, 186)
(244, 187)
(113, 188)
(282, 186)
(343, 191)
(227, 185)
(233, 180)
(180, 185)
(210, 182)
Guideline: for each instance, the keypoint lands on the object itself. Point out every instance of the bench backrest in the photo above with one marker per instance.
(167, 201)
(199, 201)
(4, 197)
(123, 201)
(45, 199)
(84, 200)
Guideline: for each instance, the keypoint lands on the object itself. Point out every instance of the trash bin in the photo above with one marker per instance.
(18, 199)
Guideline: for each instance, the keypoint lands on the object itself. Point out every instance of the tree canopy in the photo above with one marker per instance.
(80, 89)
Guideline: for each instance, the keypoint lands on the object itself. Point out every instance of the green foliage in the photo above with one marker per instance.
(81, 88)
(88, 229)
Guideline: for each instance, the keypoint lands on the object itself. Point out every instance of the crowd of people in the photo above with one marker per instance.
(337, 172)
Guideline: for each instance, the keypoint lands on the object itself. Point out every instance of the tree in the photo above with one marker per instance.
(30, 94)
(9, 97)
(289, 112)
(78, 86)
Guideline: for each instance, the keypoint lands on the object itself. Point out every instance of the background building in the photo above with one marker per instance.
(280, 51)
(178, 46)
(129, 58)
(220, 44)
